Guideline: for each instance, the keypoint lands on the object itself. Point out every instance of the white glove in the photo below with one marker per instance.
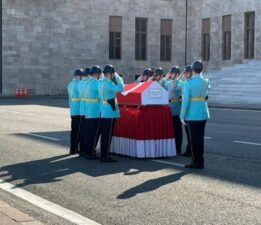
(140, 78)
(183, 122)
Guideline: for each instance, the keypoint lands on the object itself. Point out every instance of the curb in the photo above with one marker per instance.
(235, 106)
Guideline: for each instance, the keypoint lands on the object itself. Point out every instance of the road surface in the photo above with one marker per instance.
(34, 140)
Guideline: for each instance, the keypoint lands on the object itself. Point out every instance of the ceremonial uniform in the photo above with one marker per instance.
(74, 103)
(145, 76)
(109, 109)
(195, 112)
(164, 83)
(82, 88)
(93, 113)
(175, 106)
(187, 153)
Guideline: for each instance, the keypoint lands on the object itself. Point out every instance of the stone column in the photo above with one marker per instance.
(258, 34)
(194, 30)
(215, 42)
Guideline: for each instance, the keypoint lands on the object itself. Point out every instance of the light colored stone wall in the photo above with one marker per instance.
(44, 41)
(236, 8)
(194, 30)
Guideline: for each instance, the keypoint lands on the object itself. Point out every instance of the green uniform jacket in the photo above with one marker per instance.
(93, 107)
(175, 93)
(194, 105)
(82, 88)
(108, 90)
(74, 100)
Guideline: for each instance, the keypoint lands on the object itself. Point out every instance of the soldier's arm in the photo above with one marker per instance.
(178, 86)
(119, 86)
(208, 87)
(69, 97)
(185, 100)
(170, 88)
(166, 84)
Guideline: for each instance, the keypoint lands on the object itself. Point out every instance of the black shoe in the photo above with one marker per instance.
(194, 166)
(88, 157)
(82, 154)
(187, 154)
(72, 152)
(108, 160)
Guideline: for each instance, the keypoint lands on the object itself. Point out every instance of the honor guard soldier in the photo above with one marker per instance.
(195, 112)
(175, 105)
(158, 76)
(83, 104)
(188, 74)
(74, 103)
(93, 112)
(145, 76)
(108, 87)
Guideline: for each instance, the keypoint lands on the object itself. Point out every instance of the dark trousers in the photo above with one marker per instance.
(178, 133)
(83, 135)
(107, 127)
(197, 133)
(75, 133)
(188, 148)
(93, 130)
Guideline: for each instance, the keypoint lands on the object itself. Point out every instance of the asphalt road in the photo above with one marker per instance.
(132, 191)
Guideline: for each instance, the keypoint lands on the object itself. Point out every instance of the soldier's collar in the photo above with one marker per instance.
(196, 75)
(106, 78)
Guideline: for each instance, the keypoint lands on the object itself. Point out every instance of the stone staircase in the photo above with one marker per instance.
(237, 85)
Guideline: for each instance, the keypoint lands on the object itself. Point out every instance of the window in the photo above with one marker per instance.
(226, 26)
(206, 39)
(165, 40)
(115, 28)
(141, 38)
(249, 35)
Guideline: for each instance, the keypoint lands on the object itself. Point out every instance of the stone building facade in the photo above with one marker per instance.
(44, 41)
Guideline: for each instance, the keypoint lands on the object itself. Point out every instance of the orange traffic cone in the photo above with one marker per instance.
(16, 92)
(21, 92)
(25, 92)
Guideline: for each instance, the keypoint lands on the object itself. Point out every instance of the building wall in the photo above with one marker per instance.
(44, 41)
(194, 27)
(236, 8)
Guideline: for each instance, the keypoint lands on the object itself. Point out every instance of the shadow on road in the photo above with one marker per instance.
(152, 185)
(55, 168)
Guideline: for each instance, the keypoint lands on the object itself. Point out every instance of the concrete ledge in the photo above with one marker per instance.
(235, 106)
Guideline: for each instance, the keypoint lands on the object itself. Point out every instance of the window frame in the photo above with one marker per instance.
(113, 33)
(249, 35)
(165, 39)
(205, 40)
(141, 35)
(226, 37)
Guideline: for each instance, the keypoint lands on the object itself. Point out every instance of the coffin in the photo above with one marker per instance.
(146, 93)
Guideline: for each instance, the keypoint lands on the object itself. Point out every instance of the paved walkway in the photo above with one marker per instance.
(12, 216)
